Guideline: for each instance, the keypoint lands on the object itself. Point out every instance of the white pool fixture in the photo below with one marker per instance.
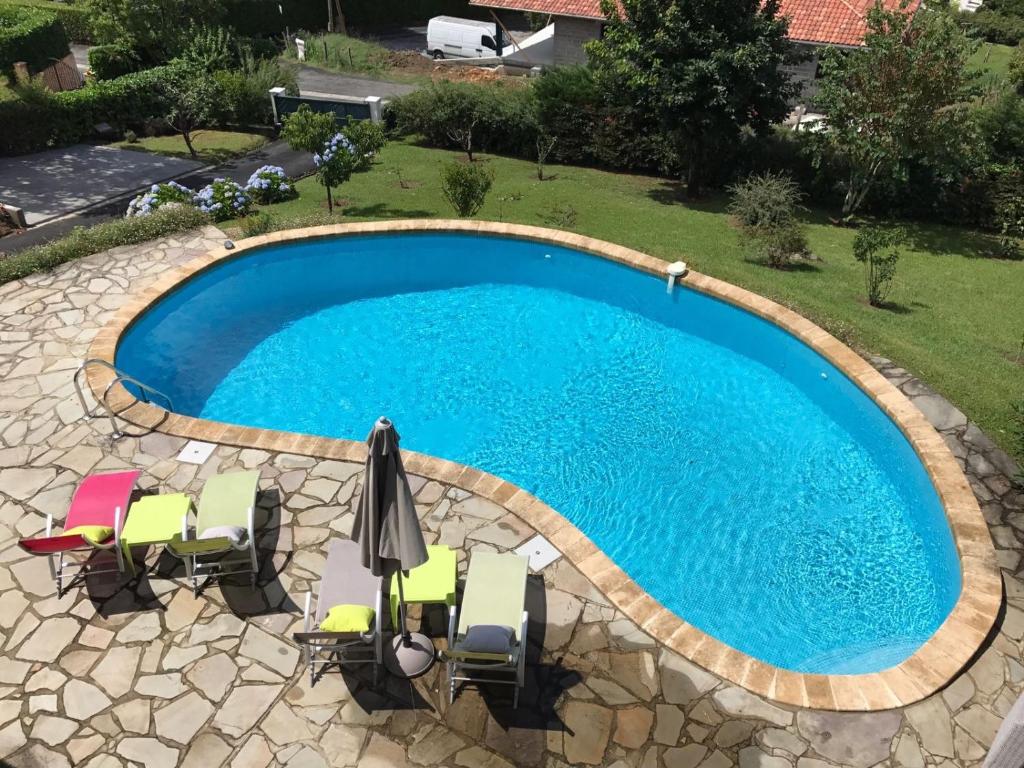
(674, 270)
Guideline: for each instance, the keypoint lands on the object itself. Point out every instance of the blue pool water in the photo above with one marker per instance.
(734, 473)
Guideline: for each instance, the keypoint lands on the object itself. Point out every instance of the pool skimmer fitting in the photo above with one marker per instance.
(675, 269)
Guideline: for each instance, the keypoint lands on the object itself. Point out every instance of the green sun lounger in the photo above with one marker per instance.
(225, 523)
(491, 634)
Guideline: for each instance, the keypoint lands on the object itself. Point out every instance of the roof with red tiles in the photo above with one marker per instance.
(821, 22)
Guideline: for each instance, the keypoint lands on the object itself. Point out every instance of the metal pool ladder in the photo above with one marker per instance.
(120, 377)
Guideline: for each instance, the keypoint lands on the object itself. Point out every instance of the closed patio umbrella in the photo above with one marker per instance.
(387, 530)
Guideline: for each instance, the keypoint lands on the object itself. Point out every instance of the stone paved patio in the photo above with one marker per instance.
(150, 675)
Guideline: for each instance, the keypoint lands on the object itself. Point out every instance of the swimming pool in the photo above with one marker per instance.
(729, 469)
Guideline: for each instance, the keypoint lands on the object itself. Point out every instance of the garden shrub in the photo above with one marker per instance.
(766, 206)
(74, 18)
(335, 162)
(306, 130)
(85, 241)
(877, 249)
(465, 186)
(269, 184)
(260, 223)
(223, 199)
(158, 196)
(32, 35)
(244, 90)
(998, 21)
(367, 137)
(113, 60)
(493, 118)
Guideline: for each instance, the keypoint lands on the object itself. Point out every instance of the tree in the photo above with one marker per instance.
(878, 250)
(704, 69)
(308, 131)
(335, 163)
(465, 186)
(903, 97)
(154, 28)
(193, 99)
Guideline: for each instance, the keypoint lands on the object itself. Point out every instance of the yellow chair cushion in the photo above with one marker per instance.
(348, 618)
(94, 534)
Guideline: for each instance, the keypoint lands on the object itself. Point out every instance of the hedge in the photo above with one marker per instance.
(75, 18)
(71, 116)
(112, 60)
(31, 35)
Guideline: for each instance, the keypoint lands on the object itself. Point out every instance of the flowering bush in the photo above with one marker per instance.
(157, 196)
(268, 184)
(335, 163)
(224, 199)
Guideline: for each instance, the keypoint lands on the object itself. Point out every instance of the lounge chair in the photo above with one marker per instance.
(345, 582)
(225, 523)
(1008, 746)
(491, 636)
(94, 521)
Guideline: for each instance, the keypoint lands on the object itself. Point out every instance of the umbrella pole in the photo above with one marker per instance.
(402, 617)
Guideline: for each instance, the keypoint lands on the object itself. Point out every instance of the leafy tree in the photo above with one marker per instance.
(878, 250)
(704, 69)
(155, 28)
(903, 97)
(308, 131)
(335, 163)
(193, 98)
(1016, 69)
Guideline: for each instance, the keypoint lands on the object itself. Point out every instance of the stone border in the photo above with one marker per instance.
(929, 669)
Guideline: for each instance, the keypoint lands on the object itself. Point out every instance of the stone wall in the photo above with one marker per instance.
(570, 35)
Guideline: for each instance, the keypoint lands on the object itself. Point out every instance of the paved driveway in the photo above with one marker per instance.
(60, 181)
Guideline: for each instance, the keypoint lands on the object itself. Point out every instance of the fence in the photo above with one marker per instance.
(343, 108)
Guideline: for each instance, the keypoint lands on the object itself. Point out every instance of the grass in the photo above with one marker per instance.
(992, 60)
(342, 53)
(955, 317)
(213, 146)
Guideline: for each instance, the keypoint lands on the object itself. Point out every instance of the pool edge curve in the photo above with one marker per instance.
(925, 672)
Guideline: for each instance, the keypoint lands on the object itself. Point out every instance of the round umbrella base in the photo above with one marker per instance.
(409, 660)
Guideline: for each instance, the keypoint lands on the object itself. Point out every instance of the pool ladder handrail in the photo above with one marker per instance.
(120, 377)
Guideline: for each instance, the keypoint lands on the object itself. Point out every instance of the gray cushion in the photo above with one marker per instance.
(235, 533)
(487, 638)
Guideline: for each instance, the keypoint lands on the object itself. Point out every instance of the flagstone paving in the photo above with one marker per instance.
(150, 675)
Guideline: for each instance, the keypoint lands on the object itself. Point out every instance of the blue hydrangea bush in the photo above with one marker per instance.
(159, 195)
(269, 184)
(223, 199)
(335, 164)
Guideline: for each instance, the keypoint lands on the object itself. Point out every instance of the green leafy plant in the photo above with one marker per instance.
(335, 163)
(85, 241)
(210, 48)
(158, 196)
(903, 97)
(192, 98)
(32, 35)
(306, 130)
(766, 207)
(703, 70)
(157, 30)
(243, 90)
(112, 60)
(258, 223)
(560, 216)
(223, 199)
(465, 186)
(367, 137)
(878, 250)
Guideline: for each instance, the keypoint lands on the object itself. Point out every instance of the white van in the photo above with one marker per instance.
(449, 37)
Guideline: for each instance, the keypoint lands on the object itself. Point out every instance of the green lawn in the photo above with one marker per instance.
(992, 59)
(956, 319)
(342, 53)
(212, 146)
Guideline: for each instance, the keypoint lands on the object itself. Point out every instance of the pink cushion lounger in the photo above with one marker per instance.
(99, 500)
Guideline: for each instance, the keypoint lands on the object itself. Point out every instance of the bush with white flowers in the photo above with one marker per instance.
(170, 192)
(269, 184)
(335, 164)
(224, 199)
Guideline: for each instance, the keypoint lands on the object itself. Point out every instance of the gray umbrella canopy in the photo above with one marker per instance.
(387, 527)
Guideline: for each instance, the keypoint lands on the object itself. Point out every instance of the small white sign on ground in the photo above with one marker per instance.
(540, 552)
(196, 452)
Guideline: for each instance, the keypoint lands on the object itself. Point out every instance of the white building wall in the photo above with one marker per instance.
(570, 35)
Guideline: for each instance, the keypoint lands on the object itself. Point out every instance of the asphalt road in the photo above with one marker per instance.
(276, 153)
